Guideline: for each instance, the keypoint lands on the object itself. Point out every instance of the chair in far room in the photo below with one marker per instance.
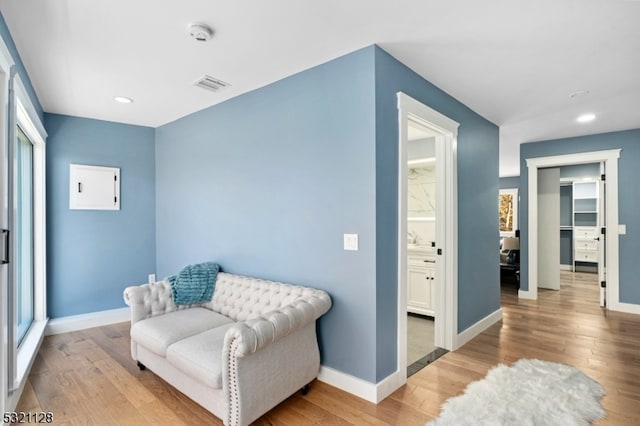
(510, 260)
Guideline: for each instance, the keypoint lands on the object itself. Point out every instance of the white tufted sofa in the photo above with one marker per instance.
(239, 355)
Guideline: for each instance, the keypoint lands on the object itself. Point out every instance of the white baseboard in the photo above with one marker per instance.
(566, 268)
(526, 294)
(478, 328)
(84, 321)
(389, 385)
(376, 392)
(348, 383)
(629, 308)
(372, 392)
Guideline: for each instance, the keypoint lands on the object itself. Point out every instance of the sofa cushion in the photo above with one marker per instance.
(200, 356)
(157, 333)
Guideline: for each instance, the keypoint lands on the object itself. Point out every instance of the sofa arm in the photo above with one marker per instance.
(266, 359)
(149, 300)
(250, 336)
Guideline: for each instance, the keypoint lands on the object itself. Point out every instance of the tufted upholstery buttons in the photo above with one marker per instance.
(237, 297)
(241, 298)
(150, 300)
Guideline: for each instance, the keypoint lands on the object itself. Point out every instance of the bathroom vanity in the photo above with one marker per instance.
(421, 264)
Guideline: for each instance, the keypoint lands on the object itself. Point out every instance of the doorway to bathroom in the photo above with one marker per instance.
(427, 225)
(422, 278)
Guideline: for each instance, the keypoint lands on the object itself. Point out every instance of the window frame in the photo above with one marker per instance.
(6, 62)
(22, 113)
(18, 260)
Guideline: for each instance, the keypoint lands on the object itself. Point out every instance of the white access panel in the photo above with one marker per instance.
(94, 187)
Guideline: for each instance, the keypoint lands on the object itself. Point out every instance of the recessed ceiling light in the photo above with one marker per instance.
(123, 100)
(585, 118)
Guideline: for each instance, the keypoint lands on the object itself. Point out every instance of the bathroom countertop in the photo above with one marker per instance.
(419, 249)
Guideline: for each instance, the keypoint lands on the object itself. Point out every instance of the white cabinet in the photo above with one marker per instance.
(94, 187)
(421, 284)
(585, 244)
(585, 222)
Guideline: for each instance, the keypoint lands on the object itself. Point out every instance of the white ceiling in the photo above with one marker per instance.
(514, 62)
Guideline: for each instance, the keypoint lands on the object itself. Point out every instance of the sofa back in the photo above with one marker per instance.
(243, 298)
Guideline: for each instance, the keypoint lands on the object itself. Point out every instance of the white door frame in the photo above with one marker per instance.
(602, 271)
(6, 62)
(610, 158)
(446, 301)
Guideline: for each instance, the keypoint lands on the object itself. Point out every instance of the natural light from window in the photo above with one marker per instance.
(24, 234)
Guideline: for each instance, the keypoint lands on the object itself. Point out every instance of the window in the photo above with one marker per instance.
(23, 314)
(27, 257)
(24, 234)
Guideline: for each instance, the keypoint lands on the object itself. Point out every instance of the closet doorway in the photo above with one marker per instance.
(594, 215)
(571, 199)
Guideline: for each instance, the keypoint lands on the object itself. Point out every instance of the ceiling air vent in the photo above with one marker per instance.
(210, 83)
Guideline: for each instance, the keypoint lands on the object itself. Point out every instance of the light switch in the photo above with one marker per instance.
(622, 229)
(351, 242)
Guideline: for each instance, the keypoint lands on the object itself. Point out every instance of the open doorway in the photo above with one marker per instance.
(588, 222)
(422, 278)
(427, 232)
(571, 212)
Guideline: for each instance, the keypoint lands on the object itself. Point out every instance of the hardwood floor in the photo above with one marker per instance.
(88, 377)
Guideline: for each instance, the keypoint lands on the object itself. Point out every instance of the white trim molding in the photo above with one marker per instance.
(610, 158)
(445, 132)
(477, 328)
(23, 114)
(6, 62)
(629, 308)
(84, 321)
(376, 392)
(372, 392)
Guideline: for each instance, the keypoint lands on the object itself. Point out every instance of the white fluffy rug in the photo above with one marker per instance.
(530, 392)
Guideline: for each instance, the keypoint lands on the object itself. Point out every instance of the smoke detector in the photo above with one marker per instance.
(200, 32)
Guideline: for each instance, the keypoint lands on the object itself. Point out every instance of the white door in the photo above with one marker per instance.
(549, 228)
(602, 237)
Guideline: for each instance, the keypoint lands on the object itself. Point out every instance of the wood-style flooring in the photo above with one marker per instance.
(88, 377)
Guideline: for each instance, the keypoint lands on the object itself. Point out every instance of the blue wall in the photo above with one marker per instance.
(580, 171)
(574, 171)
(509, 182)
(267, 183)
(478, 271)
(629, 202)
(93, 255)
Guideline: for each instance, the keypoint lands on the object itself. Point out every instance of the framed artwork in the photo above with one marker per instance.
(508, 210)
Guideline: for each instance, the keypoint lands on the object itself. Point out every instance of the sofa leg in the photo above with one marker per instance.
(141, 366)
(305, 389)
